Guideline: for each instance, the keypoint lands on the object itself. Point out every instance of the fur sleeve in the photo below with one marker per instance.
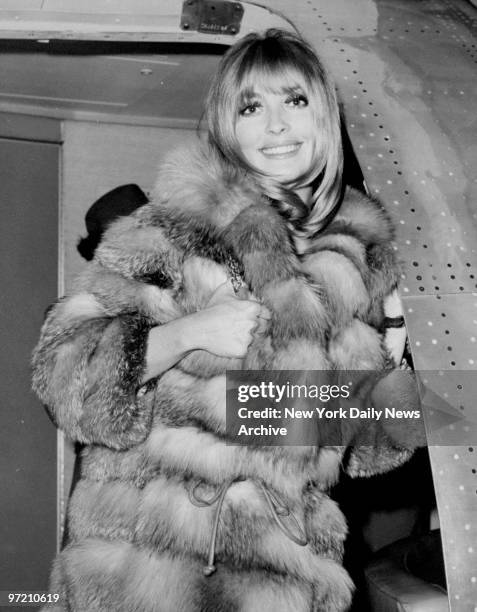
(87, 371)
(389, 437)
(90, 360)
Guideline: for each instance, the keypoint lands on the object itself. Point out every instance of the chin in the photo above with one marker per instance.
(282, 172)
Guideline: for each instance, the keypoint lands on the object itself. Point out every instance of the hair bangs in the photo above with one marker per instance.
(275, 67)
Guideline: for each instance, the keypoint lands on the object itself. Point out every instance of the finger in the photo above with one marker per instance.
(249, 308)
(243, 293)
(222, 293)
(225, 288)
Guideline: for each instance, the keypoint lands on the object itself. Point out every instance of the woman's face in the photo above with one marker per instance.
(276, 132)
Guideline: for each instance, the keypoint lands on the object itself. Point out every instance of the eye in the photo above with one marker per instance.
(249, 109)
(297, 100)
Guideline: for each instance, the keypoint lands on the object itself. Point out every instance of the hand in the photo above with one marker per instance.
(227, 324)
(394, 338)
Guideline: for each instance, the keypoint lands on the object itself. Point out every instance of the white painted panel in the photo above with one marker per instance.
(99, 157)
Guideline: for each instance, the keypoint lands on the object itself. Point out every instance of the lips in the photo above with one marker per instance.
(281, 150)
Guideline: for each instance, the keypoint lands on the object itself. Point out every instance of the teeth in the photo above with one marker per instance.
(280, 150)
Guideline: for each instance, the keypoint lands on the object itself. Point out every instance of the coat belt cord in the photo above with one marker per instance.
(277, 508)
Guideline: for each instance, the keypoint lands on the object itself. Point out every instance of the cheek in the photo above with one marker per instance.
(246, 135)
(307, 124)
(313, 132)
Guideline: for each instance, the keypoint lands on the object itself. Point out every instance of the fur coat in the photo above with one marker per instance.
(138, 537)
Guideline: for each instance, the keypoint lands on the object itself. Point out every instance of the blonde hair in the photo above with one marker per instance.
(278, 56)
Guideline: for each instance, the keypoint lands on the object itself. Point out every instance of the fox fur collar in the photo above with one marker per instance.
(326, 303)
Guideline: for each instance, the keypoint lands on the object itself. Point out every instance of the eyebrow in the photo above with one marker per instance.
(249, 93)
(293, 89)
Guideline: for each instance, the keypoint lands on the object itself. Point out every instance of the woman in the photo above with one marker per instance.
(242, 260)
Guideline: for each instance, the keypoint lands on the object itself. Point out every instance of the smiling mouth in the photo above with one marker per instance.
(281, 150)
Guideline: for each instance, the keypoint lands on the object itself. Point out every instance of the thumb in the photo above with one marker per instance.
(223, 292)
(244, 294)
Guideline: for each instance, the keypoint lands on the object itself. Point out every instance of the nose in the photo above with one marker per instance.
(277, 121)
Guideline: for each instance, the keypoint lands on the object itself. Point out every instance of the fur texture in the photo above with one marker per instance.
(136, 541)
